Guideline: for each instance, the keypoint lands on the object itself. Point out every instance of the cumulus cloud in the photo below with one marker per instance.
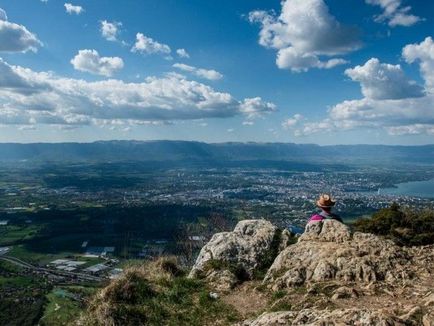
(415, 129)
(391, 100)
(147, 45)
(382, 81)
(303, 33)
(15, 37)
(209, 74)
(292, 122)
(182, 53)
(254, 107)
(90, 61)
(394, 13)
(422, 53)
(109, 30)
(29, 97)
(71, 9)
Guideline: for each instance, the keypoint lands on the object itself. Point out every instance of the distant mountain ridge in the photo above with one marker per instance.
(162, 150)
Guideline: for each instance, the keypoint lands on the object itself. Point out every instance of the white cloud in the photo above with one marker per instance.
(209, 74)
(71, 9)
(292, 122)
(3, 15)
(26, 127)
(248, 123)
(394, 13)
(289, 58)
(415, 129)
(15, 37)
(90, 61)
(182, 53)
(254, 107)
(147, 45)
(304, 32)
(109, 30)
(388, 114)
(422, 53)
(28, 97)
(391, 100)
(382, 81)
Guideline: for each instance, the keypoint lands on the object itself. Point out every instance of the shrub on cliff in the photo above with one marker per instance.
(404, 226)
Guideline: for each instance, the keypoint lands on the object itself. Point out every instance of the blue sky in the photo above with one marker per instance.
(305, 71)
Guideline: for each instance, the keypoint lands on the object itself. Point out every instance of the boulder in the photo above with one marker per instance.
(328, 251)
(221, 280)
(344, 292)
(326, 231)
(250, 248)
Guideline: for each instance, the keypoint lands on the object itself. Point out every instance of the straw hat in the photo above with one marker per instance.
(325, 201)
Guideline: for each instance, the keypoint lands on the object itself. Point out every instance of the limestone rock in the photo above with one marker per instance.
(411, 315)
(344, 292)
(328, 251)
(327, 230)
(429, 301)
(312, 317)
(221, 281)
(252, 245)
(428, 319)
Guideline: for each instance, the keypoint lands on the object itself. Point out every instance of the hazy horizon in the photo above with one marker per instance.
(207, 142)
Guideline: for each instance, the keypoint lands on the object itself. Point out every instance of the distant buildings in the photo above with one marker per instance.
(99, 251)
(4, 250)
(95, 269)
(66, 265)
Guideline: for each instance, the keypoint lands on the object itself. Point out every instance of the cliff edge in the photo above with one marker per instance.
(260, 275)
(330, 276)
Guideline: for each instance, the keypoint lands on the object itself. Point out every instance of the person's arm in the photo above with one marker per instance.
(315, 217)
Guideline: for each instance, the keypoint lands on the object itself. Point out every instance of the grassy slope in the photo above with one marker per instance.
(157, 293)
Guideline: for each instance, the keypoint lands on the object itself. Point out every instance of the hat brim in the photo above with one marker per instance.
(325, 206)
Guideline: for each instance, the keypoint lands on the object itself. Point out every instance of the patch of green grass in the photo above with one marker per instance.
(16, 281)
(12, 234)
(182, 302)
(281, 305)
(36, 258)
(236, 269)
(278, 295)
(61, 309)
(8, 267)
(299, 290)
(176, 300)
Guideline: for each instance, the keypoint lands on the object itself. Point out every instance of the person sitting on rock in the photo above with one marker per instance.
(326, 203)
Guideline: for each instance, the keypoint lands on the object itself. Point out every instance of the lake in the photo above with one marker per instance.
(415, 188)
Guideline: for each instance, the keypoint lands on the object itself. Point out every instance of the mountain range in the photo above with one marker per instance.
(225, 153)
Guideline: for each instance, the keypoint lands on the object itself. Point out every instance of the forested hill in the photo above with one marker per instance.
(214, 152)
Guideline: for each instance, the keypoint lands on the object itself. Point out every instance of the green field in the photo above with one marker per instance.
(64, 304)
(11, 234)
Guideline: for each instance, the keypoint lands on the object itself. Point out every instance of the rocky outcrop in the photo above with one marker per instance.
(328, 251)
(361, 317)
(241, 254)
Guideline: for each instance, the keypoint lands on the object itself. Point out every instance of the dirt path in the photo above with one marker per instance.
(247, 299)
